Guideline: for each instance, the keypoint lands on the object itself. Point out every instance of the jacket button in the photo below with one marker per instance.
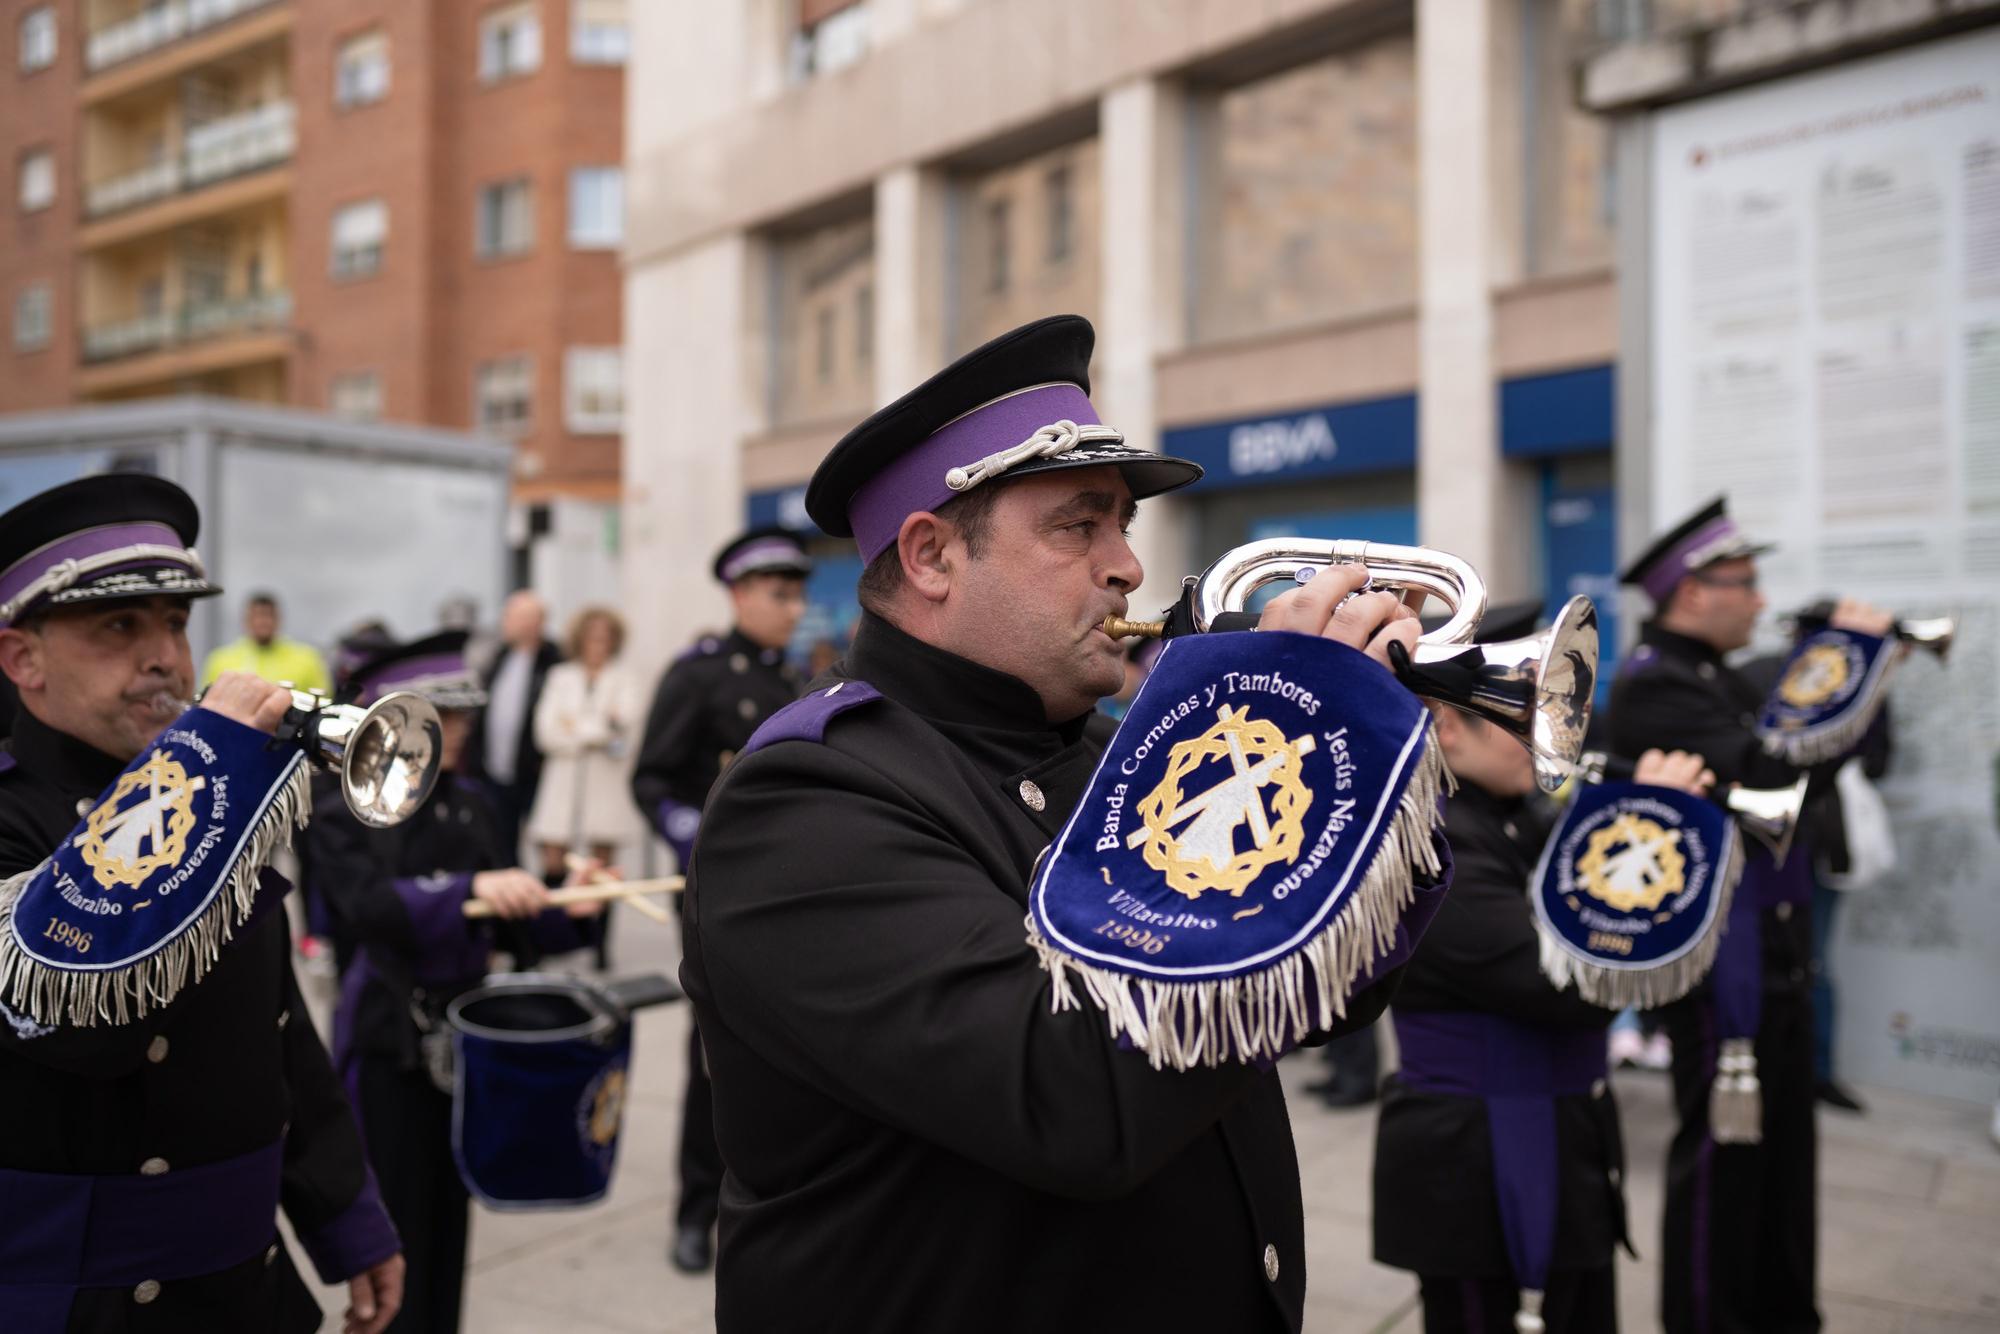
(738, 663)
(146, 1291)
(85, 806)
(153, 1167)
(748, 708)
(156, 1050)
(271, 1255)
(1784, 912)
(284, 1017)
(1596, 1088)
(1031, 796)
(1271, 1263)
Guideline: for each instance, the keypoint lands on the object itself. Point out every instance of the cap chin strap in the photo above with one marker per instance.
(1054, 439)
(64, 574)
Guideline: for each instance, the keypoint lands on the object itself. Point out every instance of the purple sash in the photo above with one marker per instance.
(62, 1232)
(1518, 1070)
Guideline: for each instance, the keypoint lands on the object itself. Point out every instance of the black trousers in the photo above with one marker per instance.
(1736, 1253)
(406, 1123)
(701, 1160)
(1578, 1301)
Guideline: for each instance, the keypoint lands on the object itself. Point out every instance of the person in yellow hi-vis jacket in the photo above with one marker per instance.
(268, 654)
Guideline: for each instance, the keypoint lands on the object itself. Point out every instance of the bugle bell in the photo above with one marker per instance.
(1933, 634)
(386, 755)
(1538, 688)
(1769, 814)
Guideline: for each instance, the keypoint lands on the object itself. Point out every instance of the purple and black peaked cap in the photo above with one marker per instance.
(1017, 406)
(115, 535)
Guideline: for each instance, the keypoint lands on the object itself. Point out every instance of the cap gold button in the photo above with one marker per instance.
(1031, 796)
(156, 1050)
(153, 1167)
(146, 1291)
(1271, 1263)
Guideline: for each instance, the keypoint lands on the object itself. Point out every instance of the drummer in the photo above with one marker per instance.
(397, 898)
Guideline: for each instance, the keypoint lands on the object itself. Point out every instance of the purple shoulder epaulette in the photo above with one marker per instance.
(6, 760)
(1638, 660)
(705, 647)
(805, 719)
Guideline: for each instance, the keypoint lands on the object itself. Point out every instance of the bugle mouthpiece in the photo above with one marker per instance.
(1119, 628)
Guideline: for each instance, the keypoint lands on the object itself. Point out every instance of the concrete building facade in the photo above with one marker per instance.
(382, 209)
(1353, 255)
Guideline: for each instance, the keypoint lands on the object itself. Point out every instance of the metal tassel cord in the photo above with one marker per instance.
(1647, 988)
(1185, 1024)
(84, 999)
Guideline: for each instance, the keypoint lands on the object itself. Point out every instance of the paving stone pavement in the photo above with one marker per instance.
(1909, 1214)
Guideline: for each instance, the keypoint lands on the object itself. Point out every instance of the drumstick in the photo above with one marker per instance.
(597, 875)
(630, 890)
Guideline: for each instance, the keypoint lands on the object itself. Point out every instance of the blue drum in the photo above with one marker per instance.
(539, 1071)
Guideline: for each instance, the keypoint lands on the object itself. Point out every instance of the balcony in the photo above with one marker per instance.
(193, 323)
(222, 148)
(158, 25)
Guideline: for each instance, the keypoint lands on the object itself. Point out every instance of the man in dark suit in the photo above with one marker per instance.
(503, 745)
(914, 1138)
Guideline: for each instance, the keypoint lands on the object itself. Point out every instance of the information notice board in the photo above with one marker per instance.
(1825, 348)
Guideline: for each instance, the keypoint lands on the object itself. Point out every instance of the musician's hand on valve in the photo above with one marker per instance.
(1369, 622)
(1861, 617)
(512, 892)
(1676, 769)
(248, 699)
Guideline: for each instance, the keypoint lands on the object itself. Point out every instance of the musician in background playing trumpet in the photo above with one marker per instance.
(1738, 1246)
(396, 897)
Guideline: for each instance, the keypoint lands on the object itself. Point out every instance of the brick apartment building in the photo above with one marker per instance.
(399, 209)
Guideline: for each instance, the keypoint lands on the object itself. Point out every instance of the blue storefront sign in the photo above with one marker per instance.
(1340, 439)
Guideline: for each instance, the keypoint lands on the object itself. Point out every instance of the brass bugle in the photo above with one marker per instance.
(1538, 688)
(1933, 634)
(1770, 814)
(387, 755)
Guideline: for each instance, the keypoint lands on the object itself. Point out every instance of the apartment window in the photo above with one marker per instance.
(506, 218)
(37, 179)
(33, 313)
(38, 39)
(596, 207)
(361, 70)
(594, 390)
(864, 323)
(356, 395)
(823, 344)
(359, 232)
(503, 395)
(510, 42)
(1062, 213)
(597, 32)
(997, 252)
(832, 35)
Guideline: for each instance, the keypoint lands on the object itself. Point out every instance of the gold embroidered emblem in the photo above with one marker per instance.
(1632, 863)
(127, 844)
(1205, 857)
(607, 1109)
(1820, 674)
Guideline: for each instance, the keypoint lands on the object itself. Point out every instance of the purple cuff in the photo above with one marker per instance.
(678, 824)
(355, 1240)
(445, 951)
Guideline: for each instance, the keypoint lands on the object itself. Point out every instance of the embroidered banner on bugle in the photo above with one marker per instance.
(138, 901)
(1829, 691)
(1632, 893)
(1242, 856)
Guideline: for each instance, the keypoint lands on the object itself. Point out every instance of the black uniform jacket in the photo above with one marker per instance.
(914, 1140)
(230, 1067)
(396, 896)
(1676, 693)
(709, 702)
(1436, 1210)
